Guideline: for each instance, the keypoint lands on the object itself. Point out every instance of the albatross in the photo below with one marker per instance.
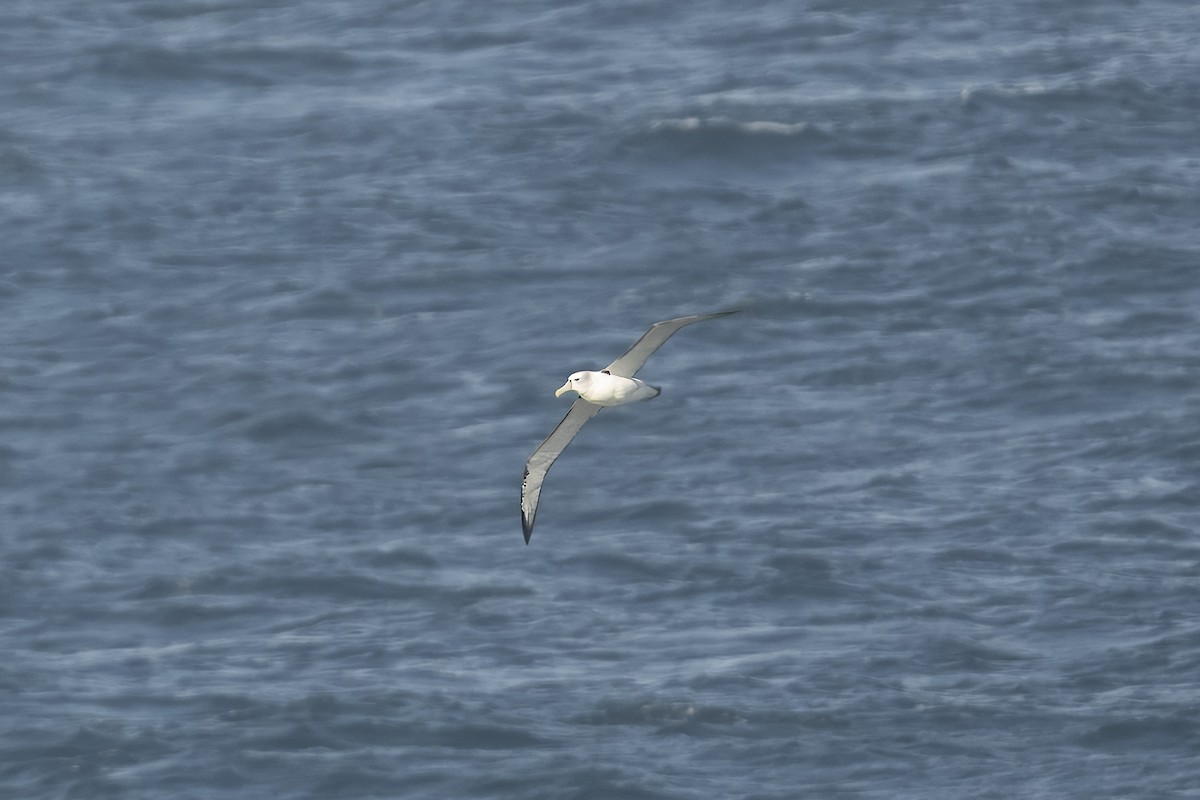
(612, 386)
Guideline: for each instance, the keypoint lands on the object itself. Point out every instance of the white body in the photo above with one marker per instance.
(603, 389)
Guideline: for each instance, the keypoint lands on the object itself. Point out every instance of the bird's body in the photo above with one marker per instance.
(612, 386)
(605, 389)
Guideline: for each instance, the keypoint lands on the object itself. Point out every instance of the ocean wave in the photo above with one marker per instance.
(724, 138)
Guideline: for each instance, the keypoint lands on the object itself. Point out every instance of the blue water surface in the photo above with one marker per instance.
(287, 289)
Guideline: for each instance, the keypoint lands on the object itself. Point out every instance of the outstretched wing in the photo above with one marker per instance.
(539, 463)
(633, 358)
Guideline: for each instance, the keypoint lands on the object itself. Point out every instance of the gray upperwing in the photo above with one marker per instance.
(633, 358)
(540, 462)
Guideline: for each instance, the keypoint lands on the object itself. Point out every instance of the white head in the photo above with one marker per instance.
(578, 382)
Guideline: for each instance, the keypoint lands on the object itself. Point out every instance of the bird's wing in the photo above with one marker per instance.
(540, 462)
(633, 358)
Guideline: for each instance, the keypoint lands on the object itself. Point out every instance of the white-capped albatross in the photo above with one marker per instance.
(612, 386)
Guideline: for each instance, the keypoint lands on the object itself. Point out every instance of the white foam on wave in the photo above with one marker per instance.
(688, 124)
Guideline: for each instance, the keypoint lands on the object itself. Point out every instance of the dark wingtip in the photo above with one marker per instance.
(526, 528)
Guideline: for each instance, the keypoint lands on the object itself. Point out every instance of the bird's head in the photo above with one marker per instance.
(578, 382)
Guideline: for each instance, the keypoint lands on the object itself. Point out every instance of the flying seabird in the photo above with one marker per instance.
(612, 386)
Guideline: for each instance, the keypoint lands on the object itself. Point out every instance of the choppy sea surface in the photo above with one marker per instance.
(286, 288)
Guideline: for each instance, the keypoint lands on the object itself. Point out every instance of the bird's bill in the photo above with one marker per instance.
(566, 387)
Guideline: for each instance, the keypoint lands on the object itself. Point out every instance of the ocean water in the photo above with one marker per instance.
(286, 289)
